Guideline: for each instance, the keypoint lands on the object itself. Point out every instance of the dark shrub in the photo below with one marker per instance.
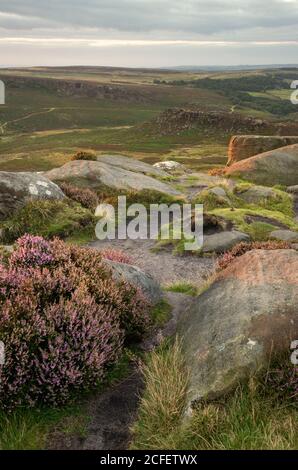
(83, 155)
(83, 196)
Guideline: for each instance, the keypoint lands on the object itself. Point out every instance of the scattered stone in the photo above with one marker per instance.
(98, 174)
(247, 316)
(18, 188)
(223, 241)
(285, 235)
(274, 167)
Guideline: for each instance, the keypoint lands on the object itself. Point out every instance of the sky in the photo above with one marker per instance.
(148, 33)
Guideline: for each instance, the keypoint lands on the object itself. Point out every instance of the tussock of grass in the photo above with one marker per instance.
(164, 398)
(250, 418)
(183, 288)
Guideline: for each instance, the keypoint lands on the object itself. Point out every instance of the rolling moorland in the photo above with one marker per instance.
(84, 135)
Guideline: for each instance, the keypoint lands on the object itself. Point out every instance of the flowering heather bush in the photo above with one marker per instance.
(63, 321)
(116, 255)
(83, 196)
(32, 251)
(240, 249)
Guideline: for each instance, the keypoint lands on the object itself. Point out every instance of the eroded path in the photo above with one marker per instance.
(113, 412)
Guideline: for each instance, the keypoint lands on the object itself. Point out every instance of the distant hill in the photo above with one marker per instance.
(217, 68)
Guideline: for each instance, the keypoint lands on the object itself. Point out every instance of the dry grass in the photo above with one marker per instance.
(164, 399)
(250, 418)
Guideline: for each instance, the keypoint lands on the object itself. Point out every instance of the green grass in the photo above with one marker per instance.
(183, 288)
(238, 217)
(250, 418)
(48, 219)
(161, 313)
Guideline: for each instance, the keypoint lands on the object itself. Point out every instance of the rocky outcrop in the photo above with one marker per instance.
(18, 188)
(245, 146)
(96, 174)
(175, 120)
(270, 168)
(83, 88)
(135, 276)
(246, 316)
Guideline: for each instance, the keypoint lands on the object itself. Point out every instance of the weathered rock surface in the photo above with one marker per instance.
(137, 277)
(97, 174)
(275, 167)
(17, 188)
(223, 241)
(247, 315)
(131, 164)
(245, 146)
(285, 235)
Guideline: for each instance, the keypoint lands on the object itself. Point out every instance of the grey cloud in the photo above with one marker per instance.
(201, 17)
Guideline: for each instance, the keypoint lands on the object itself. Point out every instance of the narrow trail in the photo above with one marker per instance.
(114, 411)
(28, 116)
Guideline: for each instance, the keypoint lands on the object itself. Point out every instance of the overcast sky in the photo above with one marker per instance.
(148, 32)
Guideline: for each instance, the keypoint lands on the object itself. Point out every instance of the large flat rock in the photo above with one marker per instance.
(95, 174)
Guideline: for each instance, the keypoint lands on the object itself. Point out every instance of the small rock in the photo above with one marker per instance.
(218, 191)
(285, 235)
(293, 189)
(223, 241)
(169, 165)
(255, 194)
(18, 188)
(137, 277)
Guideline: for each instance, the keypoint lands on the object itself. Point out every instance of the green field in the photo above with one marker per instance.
(44, 120)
